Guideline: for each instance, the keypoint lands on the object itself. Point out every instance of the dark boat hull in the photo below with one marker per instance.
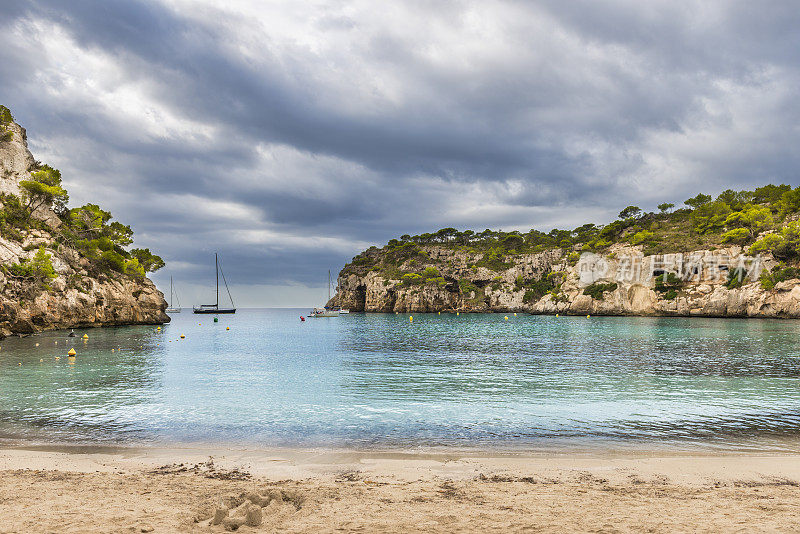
(214, 312)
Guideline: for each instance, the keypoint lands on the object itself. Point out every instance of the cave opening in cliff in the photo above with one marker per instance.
(361, 298)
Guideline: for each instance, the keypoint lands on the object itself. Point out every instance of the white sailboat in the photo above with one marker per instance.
(328, 311)
(173, 294)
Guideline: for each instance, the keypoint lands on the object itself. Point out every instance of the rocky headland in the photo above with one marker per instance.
(736, 256)
(57, 270)
(621, 282)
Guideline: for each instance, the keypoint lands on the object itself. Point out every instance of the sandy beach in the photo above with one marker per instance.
(179, 490)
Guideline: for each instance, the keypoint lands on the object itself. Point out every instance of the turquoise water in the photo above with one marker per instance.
(380, 381)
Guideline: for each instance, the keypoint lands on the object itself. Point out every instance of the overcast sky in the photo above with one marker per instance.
(291, 135)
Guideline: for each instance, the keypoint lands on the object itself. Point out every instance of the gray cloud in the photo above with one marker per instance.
(291, 138)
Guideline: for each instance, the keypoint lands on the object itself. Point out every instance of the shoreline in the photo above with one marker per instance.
(169, 489)
(321, 461)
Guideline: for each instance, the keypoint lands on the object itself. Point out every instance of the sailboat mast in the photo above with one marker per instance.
(329, 285)
(170, 292)
(216, 268)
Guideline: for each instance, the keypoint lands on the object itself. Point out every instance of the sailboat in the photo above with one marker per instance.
(328, 311)
(214, 308)
(172, 294)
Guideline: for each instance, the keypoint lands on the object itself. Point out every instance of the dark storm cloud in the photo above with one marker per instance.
(290, 144)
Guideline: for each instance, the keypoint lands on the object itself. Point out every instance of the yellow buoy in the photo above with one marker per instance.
(438, 313)
(20, 363)
(71, 352)
(85, 336)
(159, 328)
(37, 344)
(56, 342)
(588, 316)
(515, 314)
(411, 318)
(457, 313)
(556, 315)
(58, 357)
(506, 317)
(112, 350)
(183, 337)
(41, 359)
(227, 328)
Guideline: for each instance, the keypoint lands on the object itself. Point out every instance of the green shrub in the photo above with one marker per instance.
(573, 258)
(39, 268)
(670, 295)
(430, 272)
(784, 244)
(770, 279)
(110, 259)
(412, 278)
(737, 235)
(736, 278)
(13, 214)
(640, 237)
(667, 282)
(133, 268)
(596, 290)
(467, 286)
(767, 282)
(494, 260)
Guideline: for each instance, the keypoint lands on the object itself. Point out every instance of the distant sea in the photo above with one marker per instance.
(382, 381)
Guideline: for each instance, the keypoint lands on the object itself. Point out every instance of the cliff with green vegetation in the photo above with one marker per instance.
(734, 255)
(64, 267)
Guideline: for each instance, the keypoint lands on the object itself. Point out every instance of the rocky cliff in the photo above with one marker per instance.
(74, 292)
(620, 281)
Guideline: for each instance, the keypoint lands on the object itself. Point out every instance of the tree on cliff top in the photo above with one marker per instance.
(631, 212)
(44, 190)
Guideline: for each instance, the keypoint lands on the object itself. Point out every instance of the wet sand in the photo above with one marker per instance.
(179, 489)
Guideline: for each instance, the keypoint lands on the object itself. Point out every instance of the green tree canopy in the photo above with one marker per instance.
(44, 190)
(699, 200)
(88, 220)
(784, 244)
(735, 200)
(710, 216)
(148, 261)
(630, 212)
(665, 207)
(753, 218)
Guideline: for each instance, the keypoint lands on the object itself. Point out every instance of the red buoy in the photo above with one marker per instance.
(302, 318)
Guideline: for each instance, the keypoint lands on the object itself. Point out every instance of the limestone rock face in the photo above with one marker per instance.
(75, 297)
(16, 161)
(702, 290)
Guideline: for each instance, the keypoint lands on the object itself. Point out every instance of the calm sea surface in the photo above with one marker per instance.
(380, 381)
